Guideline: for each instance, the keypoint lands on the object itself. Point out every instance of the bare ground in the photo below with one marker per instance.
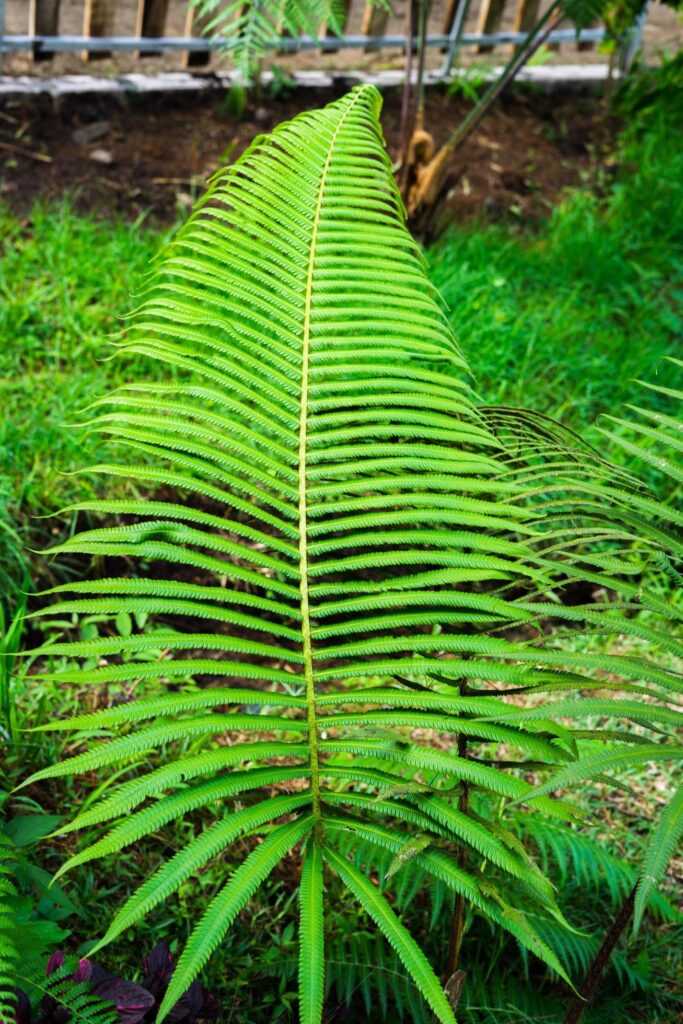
(160, 150)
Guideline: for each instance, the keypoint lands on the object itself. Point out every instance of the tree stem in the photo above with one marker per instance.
(426, 203)
(406, 130)
(422, 55)
(538, 35)
(601, 960)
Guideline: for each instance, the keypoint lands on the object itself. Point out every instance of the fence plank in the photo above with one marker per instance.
(526, 16)
(283, 33)
(193, 26)
(488, 22)
(451, 8)
(98, 20)
(43, 20)
(150, 22)
(554, 47)
(375, 21)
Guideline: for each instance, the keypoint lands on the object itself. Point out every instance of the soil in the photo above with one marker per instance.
(151, 156)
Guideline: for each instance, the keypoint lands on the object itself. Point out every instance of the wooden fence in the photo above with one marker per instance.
(379, 29)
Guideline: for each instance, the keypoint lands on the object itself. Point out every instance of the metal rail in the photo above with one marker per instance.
(449, 42)
(173, 44)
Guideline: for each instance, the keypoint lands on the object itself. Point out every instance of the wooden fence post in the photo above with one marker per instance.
(581, 47)
(451, 8)
(150, 22)
(98, 20)
(193, 26)
(490, 13)
(375, 22)
(526, 15)
(43, 20)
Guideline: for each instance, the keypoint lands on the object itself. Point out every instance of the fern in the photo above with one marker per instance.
(361, 554)
(572, 856)
(652, 439)
(311, 954)
(586, 873)
(248, 28)
(9, 957)
(660, 848)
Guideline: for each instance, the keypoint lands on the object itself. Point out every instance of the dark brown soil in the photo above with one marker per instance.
(161, 150)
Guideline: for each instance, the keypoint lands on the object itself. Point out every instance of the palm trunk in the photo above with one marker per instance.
(412, 114)
(547, 24)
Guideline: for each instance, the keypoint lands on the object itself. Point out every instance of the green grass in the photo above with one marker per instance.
(64, 281)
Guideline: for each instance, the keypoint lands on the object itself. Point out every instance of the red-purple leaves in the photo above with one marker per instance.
(130, 1000)
(194, 1003)
(133, 1003)
(158, 967)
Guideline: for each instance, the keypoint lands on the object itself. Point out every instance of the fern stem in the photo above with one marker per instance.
(307, 648)
(602, 958)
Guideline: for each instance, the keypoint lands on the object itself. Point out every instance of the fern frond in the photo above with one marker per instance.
(644, 714)
(167, 879)
(248, 30)
(487, 902)
(219, 915)
(311, 937)
(9, 957)
(605, 761)
(75, 1000)
(364, 545)
(661, 846)
(130, 794)
(574, 856)
(151, 818)
(410, 954)
(170, 704)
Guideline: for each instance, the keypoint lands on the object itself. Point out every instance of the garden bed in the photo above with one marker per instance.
(153, 155)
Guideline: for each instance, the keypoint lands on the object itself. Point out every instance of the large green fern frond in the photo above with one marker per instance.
(646, 531)
(345, 545)
(661, 847)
